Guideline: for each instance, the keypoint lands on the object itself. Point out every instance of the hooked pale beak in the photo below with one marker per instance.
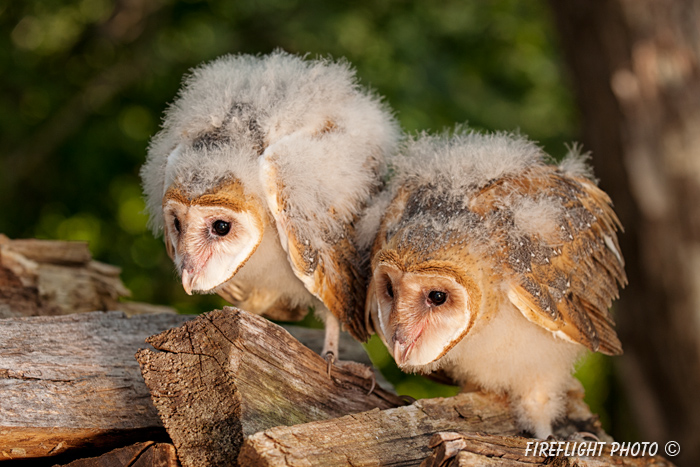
(402, 351)
(187, 280)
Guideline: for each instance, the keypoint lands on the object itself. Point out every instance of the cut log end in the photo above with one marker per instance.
(69, 383)
(229, 374)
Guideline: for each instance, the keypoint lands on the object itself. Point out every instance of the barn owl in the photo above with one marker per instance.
(256, 179)
(494, 267)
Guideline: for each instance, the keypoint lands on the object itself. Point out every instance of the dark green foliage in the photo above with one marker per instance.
(84, 84)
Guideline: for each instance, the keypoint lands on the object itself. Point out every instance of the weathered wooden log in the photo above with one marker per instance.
(49, 277)
(229, 374)
(480, 450)
(399, 436)
(146, 454)
(71, 382)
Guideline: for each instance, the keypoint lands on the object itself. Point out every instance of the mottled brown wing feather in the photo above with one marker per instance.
(565, 285)
(334, 274)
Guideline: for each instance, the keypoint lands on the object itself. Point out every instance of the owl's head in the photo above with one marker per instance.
(210, 236)
(329, 136)
(421, 309)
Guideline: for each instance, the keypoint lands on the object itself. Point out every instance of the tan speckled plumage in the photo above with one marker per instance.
(566, 283)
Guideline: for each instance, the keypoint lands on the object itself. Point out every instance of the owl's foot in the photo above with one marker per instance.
(330, 352)
(331, 339)
(329, 357)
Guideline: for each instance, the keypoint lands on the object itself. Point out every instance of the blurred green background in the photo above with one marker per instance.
(84, 84)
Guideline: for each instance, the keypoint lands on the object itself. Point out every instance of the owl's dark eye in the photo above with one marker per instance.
(177, 224)
(437, 298)
(221, 228)
(389, 289)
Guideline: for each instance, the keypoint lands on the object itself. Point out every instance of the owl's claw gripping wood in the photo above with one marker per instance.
(354, 367)
(409, 399)
(361, 370)
(373, 385)
(330, 358)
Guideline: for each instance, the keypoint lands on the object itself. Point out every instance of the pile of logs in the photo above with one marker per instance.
(223, 388)
(47, 277)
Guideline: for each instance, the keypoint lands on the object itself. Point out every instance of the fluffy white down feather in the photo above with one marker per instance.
(288, 95)
(456, 162)
(470, 158)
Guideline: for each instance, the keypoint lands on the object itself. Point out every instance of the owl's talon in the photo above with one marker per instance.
(373, 385)
(330, 358)
(360, 370)
(582, 435)
(408, 399)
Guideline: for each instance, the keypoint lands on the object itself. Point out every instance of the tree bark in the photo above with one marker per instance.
(71, 383)
(636, 71)
(229, 374)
